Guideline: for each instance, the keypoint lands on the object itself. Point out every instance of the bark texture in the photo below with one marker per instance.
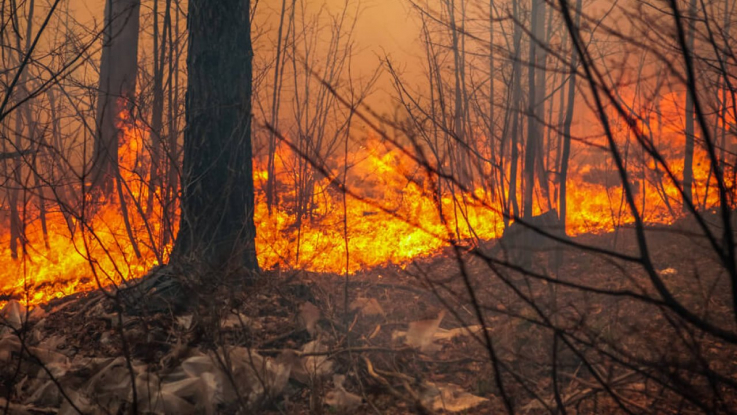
(117, 90)
(217, 227)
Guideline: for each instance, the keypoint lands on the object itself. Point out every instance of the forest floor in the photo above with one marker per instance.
(411, 341)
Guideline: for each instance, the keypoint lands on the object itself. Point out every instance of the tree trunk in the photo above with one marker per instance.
(533, 132)
(217, 228)
(688, 153)
(118, 70)
(516, 97)
(271, 193)
(157, 111)
(566, 154)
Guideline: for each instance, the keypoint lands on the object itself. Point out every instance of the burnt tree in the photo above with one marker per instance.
(117, 89)
(216, 227)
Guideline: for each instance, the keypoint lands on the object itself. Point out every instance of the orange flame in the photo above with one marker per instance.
(398, 218)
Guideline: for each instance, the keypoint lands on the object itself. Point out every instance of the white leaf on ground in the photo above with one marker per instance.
(18, 409)
(109, 387)
(368, 307)
(46, 395)
(238, 322)
(340, 399)
(311, 367)
(195, 366)
(185, 322)
(450, 398)
(216, 388)
(420, 334)
(255, 376)
(9, 344)
(167, 403)
(13, 315)
(181, 397)
(308, 317)
(451, 334)
(57, 363)
(112, 381)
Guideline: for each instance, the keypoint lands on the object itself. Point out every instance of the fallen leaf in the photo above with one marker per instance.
(368, 307)
(181, 397)
(13, 315)
(311, 367)
(451, 334)
(420, 334)
(185, 322)
(340, 399)
(46, 395)
(9, 344)
(308, 317)
(238, 322)
(451, 398)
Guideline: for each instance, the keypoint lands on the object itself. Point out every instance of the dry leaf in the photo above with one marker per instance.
(420, 334)
(180, 397)
(9, 344)
(367, 307)
(451, 398)
(113, 380)
(46, 395)
(311, 367)
(13, 315)
(255, 376)
(308, 317)
(451, 334)
(239, 321)
(185, 322)
(342, 400)
(57, 363)
(215, 386)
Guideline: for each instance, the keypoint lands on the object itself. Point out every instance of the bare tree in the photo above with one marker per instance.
(118, 69)
(217, 227)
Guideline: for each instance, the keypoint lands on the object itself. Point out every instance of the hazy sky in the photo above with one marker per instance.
(384, 27)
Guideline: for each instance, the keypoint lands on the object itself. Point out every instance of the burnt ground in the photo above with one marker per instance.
(590, 335)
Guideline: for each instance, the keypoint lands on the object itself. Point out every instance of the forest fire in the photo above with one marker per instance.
(395, 220)
(331, 206)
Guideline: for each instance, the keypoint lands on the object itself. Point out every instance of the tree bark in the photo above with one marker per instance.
(689, 148)
(217, 228)
(516, 97)
(118, 70)
(157, 112)
(537, 13)
(566, 155)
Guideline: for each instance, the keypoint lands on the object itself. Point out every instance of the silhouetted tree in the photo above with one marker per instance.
(118, 71)
(217, 227)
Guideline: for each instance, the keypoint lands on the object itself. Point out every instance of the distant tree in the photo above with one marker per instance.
(535, 102)
(689, 149)
(118, 71)
(217, 227)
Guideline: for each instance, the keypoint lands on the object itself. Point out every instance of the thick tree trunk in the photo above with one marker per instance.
(217, 228)
(118, 70)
